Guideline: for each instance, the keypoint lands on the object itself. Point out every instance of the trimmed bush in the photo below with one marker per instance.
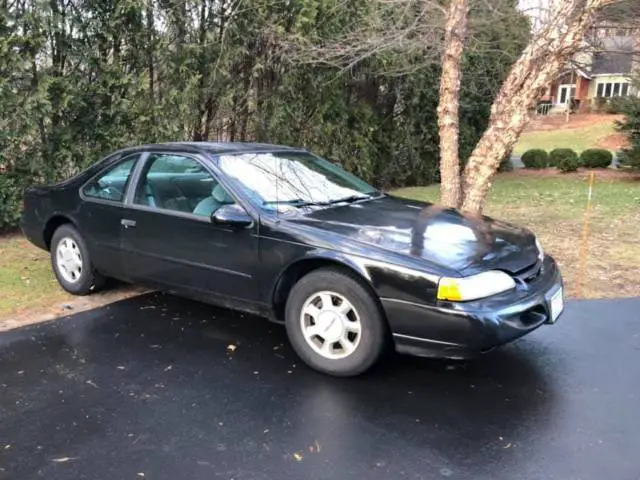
(557, 155)
(564, 159)
(596, 158)
(505, 164)
(535, 158)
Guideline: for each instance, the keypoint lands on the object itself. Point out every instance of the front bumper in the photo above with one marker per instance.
(465, 329)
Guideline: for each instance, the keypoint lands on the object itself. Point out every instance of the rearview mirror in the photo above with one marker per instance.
(231, 215)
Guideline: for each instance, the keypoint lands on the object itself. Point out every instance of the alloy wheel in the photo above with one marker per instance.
(330, 325)
(69, 260)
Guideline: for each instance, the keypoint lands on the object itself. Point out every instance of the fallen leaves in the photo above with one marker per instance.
(315, 448)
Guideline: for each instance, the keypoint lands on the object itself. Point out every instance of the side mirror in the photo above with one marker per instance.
(231, 215)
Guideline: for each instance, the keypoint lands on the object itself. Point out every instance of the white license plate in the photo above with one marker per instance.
(556, 305)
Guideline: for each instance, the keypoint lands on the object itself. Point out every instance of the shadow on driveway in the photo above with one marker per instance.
(148, 388)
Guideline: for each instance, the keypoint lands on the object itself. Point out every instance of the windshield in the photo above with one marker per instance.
(293, 178)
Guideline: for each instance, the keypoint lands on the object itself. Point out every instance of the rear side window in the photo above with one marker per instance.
(112, 184)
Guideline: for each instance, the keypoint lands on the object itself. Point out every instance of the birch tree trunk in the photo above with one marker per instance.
(551, 47)
(449, 104)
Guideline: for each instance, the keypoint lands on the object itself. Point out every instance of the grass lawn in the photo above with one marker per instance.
(29, 291)
(553, 207)
(25, 277)
(577, 139)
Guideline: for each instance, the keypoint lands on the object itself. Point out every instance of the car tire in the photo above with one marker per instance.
(328, 335)
(71, 262)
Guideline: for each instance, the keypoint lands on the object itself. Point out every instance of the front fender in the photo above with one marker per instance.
(387, 280)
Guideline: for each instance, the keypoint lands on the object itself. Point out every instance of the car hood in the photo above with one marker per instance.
(441, 236)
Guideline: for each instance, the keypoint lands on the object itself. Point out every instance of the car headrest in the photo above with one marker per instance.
(220, 195)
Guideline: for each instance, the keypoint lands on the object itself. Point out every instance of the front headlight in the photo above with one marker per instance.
(477, 286)
(540, 250)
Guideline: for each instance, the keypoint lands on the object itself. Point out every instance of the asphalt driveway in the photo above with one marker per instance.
(162, 388)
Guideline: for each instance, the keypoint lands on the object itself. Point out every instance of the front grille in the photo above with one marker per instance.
(529, 273)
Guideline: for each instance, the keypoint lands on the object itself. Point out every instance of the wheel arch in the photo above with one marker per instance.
(55, 222)
(303, 266)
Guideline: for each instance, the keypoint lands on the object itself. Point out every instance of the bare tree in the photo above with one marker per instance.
(558, 39)
(449, 103)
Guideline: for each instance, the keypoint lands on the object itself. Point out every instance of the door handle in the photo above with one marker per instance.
(127, 223)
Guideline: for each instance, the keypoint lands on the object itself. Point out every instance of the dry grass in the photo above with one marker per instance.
(553, 207)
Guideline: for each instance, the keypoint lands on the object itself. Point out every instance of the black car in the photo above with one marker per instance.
(282, 233)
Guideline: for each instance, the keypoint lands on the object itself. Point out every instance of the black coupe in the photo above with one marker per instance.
(282, 233)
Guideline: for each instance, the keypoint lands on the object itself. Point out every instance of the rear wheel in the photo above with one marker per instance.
(334, 323)
(71, 262)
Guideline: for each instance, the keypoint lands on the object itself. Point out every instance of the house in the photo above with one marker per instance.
(604, 69)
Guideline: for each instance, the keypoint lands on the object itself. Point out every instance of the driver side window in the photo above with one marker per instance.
(179, 183)
(112, 184)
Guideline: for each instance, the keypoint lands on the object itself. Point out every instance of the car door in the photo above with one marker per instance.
(168, 238)
(101, 211)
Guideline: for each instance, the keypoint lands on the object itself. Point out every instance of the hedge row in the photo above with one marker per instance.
(566, 159)
(11, 188)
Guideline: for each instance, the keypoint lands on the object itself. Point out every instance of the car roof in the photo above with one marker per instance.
(213, 148)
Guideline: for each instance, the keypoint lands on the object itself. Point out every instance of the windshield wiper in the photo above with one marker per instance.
(296, 202)
(299, 202)
(349, 199)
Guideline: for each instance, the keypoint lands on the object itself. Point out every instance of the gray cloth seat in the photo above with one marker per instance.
(218, 197)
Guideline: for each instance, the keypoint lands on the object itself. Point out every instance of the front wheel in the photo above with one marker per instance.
(71, 262)
(334, 323)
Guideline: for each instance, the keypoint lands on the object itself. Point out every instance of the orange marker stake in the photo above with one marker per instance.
(585, 238)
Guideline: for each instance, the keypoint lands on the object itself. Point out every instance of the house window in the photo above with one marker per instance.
(624, 90)
(612, 89)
